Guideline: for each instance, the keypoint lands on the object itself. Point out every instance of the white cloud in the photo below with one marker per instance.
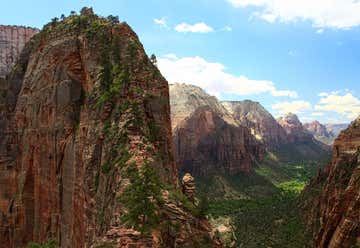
(346, 105)
(161, 22)
(320, 31)
(338, 14)
(213, 77)
(199, 27)
(295, 107)
(317, 114)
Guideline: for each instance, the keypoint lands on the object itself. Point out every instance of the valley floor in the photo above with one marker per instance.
(260, 209)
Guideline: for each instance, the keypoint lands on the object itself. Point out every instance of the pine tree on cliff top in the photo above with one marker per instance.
(142, 198)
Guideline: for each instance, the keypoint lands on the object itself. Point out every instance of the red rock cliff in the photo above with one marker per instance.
(332, 200)
(207, 139)
(12, 41)
(83, 104)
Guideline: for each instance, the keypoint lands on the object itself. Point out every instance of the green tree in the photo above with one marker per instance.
(142, 198)
(153, 59)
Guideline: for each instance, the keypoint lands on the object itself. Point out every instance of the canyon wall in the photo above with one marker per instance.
(332, 199)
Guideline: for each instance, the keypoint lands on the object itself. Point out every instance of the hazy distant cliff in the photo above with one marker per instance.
(12, 41)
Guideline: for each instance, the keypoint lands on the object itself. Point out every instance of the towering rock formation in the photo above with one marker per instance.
(82, 106)
(207, 138)
(332, 200)
(294, 128)
(320, 132)
(301, 144)
(12, 41)
(261, 123)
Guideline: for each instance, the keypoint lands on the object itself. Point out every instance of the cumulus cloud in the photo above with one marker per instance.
(338, 14)
(213, 77)
(295, 107)
(199, 27)
(346, 105)
(161, 22)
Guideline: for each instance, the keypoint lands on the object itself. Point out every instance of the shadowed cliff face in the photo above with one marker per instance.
(206, 144)
(332, 200)
(83, 104)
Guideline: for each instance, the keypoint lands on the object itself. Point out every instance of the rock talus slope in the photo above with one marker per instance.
(83, 104)
(332, 200)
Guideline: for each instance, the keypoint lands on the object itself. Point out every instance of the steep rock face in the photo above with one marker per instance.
(83, 104)
(332, 200)
(185, 99)
(261, 123)
(206, 137)
(12, 41)
(294, 128)
(320, 132)
(205, 144)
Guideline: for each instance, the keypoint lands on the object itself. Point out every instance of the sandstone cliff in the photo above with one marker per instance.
(12, 41)
(261, 123)
(320, 132)
(207, 139)
(332, 199)
(82, 105)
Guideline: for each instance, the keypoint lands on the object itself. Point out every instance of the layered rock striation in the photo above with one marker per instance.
(12, 41)
(321, 132)
(83, 105)
(260, 122)
(207, 139)
(332, 199)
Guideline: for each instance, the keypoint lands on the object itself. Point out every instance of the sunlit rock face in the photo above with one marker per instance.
(320, 132)
(260, 122)
(206, 137)
(12, 41)
(332, 199)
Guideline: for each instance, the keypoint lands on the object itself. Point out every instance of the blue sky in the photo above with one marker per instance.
(302, 57)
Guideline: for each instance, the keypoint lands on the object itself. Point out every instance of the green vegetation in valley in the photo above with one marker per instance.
(262, 205)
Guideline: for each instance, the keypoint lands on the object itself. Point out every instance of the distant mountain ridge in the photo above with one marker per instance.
(326, 133)
(232, 136)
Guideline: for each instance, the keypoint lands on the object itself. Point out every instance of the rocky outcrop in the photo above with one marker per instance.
(320, 132)
(294, 128)
(82, 106)
(188, 186)
(260, 122)
(332, 199)
(12, 41)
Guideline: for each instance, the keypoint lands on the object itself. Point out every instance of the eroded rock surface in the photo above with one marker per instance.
(83, 104)
(12, 41)
(332, 200)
